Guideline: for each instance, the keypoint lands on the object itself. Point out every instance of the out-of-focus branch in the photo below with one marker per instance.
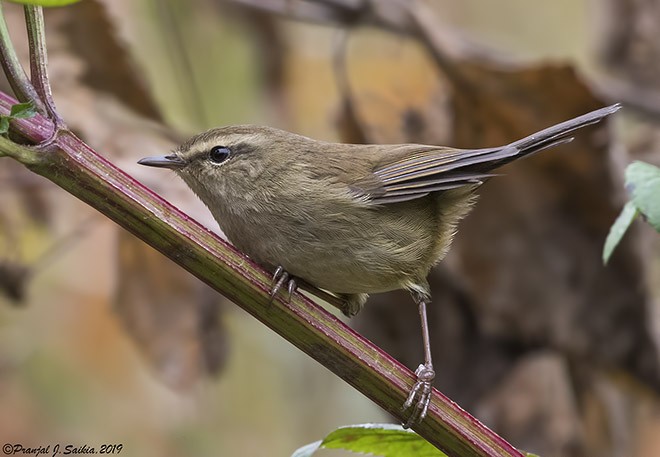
(412, 17)
(400, 16)
(389, 15)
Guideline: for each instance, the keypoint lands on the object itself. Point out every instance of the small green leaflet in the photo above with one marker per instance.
(18, 111)
(643, 183)
(45, 3)
(22, 110)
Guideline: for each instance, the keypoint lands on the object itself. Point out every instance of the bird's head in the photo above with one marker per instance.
(222, 161)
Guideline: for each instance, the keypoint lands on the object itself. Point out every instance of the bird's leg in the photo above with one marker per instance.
(280, 277)
(420, 394)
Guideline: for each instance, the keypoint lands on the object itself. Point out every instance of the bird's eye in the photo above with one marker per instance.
(219, 154)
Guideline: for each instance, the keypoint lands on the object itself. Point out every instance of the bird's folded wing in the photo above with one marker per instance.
(414, 171)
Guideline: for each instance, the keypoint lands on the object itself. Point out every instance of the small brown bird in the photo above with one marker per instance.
(350, 219)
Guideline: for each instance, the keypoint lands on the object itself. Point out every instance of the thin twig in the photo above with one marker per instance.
(34, 19)
(18, 79)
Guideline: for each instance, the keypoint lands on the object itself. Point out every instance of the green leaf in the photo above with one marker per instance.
(618, 229)
(45, 3)
(23, 110)
(308, 450)
(643, 182)
(4, 125)
(385, 440)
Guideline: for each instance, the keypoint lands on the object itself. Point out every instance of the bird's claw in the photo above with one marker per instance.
(421, 391)
(281, 277)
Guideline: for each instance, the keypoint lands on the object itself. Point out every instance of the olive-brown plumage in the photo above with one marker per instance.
(351, 219)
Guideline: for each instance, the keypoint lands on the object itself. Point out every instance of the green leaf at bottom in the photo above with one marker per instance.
(385, 440)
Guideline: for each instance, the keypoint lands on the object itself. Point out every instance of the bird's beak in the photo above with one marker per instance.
(171, 161)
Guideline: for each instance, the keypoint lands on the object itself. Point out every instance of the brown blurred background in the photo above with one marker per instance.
(102, 340)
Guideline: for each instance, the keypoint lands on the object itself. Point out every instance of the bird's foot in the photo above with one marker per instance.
(281, 277)
(420, 395)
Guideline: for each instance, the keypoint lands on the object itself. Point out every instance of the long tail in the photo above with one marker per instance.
(437, 170)
(559, 133)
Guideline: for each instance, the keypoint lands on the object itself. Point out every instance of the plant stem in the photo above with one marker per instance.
(34, 19)
(18, 79)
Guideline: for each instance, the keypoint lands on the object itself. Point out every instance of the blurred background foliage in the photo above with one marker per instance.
(104, 341)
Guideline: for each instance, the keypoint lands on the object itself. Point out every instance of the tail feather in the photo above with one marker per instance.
(560, 133)
(548, 138)
(418, 176)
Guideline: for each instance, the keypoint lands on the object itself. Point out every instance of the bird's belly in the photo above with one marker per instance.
(364, 250)
(347, 275)
(348, 266)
